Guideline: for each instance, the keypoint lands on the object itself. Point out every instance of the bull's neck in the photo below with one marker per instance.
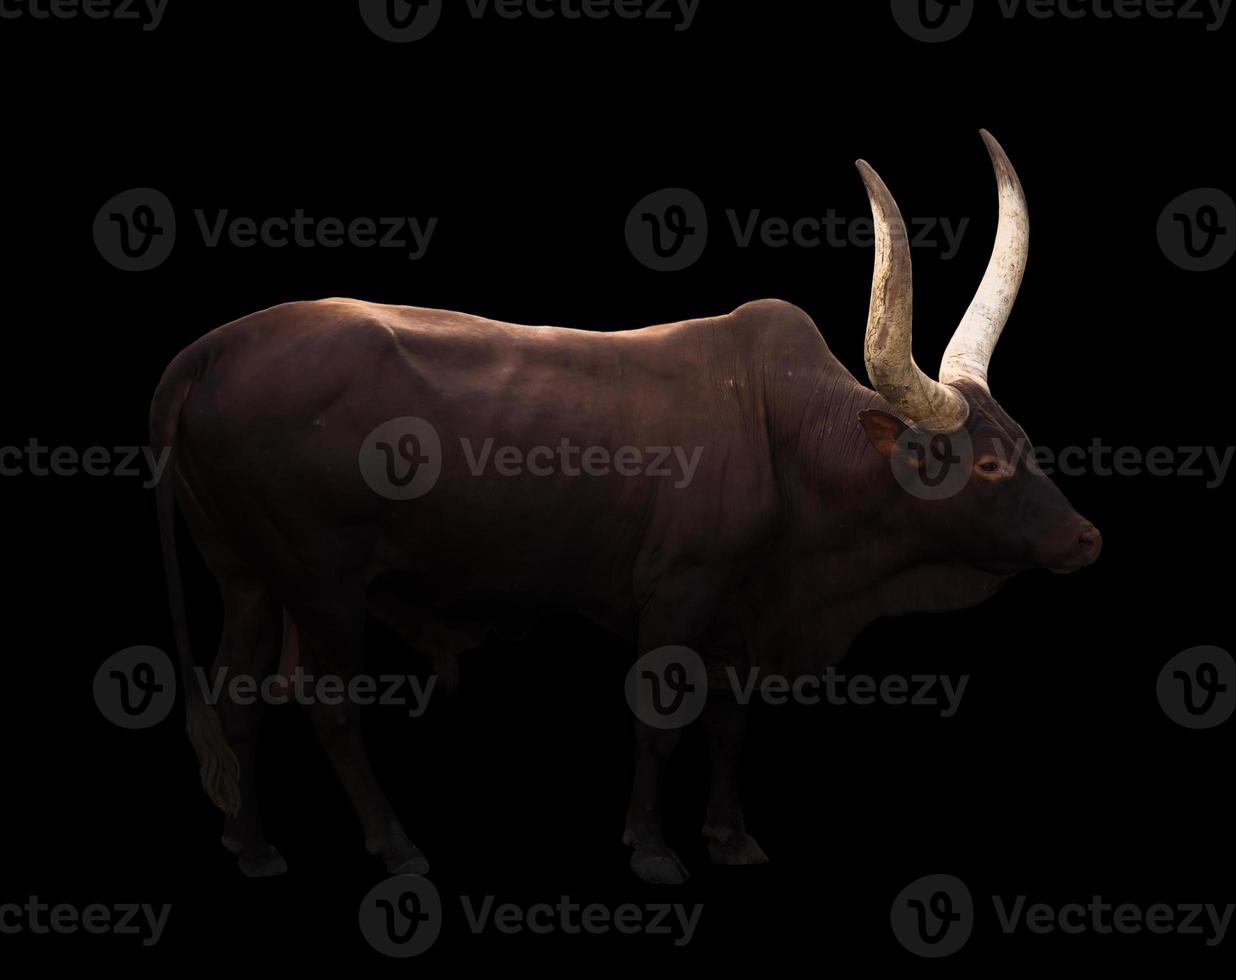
(828, 467)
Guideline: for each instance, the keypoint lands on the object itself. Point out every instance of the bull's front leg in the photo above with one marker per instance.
(652, 859)
(672, 616)
(725, 722)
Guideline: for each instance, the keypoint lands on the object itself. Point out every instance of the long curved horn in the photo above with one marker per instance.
(887, 348)
(968, 354)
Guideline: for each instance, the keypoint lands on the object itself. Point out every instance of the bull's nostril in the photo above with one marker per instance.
(1089, 539)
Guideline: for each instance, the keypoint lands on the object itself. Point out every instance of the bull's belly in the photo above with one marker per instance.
(439, 623)
(473, 555)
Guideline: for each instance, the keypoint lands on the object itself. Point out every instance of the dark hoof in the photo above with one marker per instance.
(655, 863)
(739, 849)
(266, 862)
(408, 864)
(658, 866)
(400, 855)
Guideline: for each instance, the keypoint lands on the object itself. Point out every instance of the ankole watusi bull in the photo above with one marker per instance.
(795, 531)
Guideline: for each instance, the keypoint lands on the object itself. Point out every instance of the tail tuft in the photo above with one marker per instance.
(220, 767)
(447, 669)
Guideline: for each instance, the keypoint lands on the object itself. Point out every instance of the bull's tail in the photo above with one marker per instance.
(219, 765)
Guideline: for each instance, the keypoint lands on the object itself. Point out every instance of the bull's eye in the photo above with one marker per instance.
(995, 468)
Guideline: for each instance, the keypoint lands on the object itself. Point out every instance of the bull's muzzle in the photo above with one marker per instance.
(1087, 542)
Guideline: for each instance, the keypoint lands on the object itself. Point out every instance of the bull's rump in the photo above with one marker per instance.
(271, 434)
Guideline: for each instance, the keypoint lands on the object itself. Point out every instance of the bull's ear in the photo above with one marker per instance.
(882, 429)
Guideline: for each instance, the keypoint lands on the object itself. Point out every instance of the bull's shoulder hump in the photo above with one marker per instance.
(777, 323)
(776, 314)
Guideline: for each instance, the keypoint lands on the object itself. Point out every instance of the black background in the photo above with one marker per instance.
(1060, 777)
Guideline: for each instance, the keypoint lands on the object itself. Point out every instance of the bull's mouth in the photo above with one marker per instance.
(1067, 568)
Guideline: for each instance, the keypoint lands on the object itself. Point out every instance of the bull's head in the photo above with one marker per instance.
(1004, 514)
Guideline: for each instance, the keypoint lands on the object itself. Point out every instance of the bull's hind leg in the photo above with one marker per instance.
(249, 648)
(725, 723)
(332, 643)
